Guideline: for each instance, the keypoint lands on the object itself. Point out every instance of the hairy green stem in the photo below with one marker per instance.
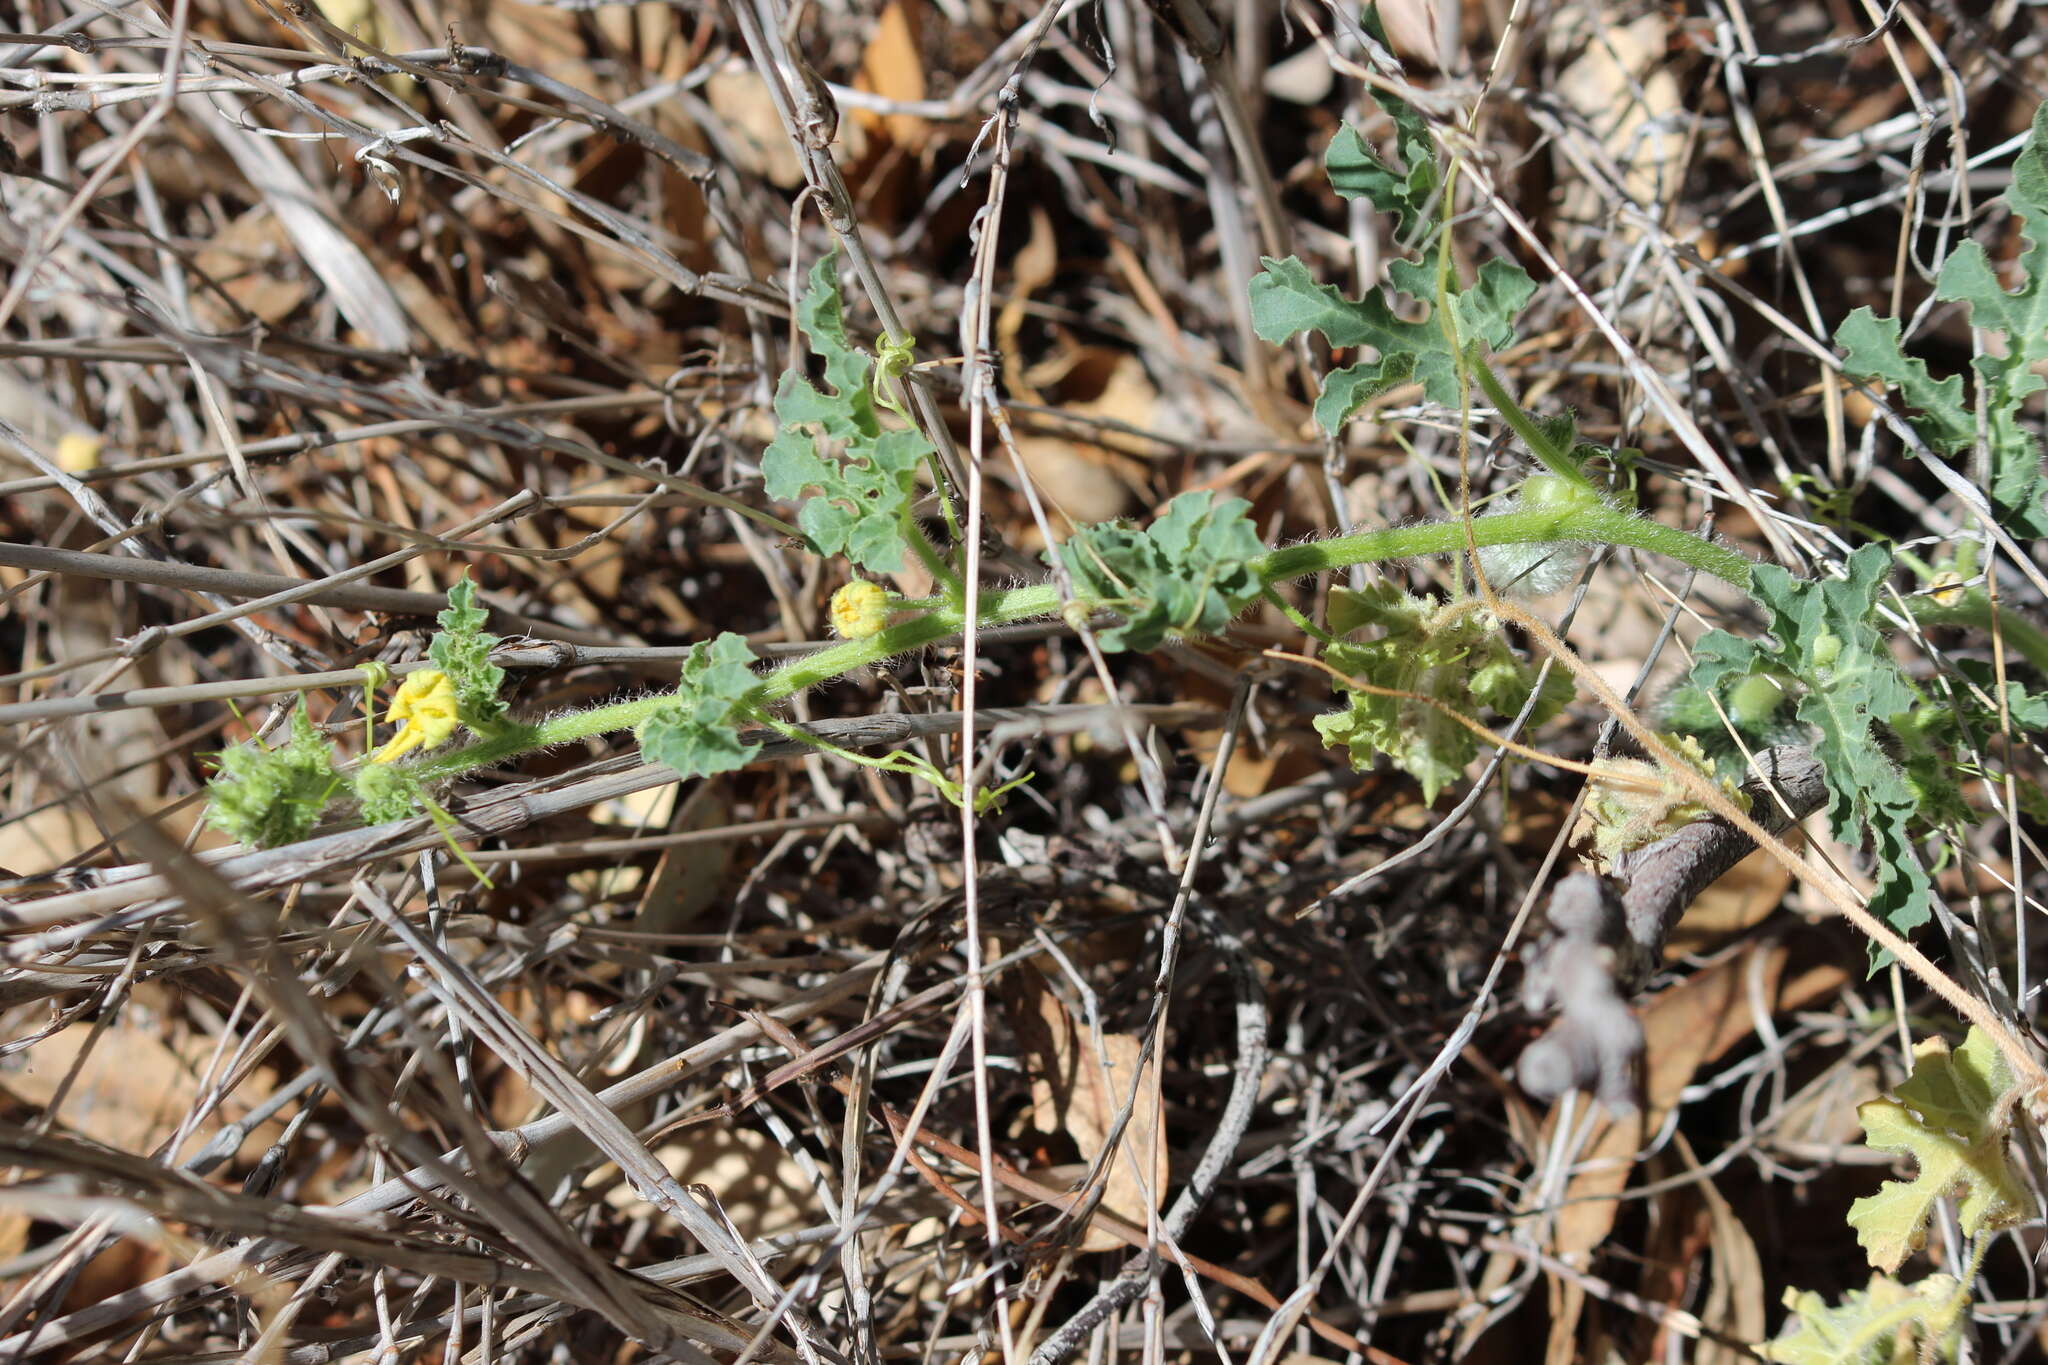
(1526, 525)
(2021, 636)
(945, 618)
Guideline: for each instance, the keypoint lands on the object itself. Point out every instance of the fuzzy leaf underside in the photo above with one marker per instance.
(1188, 573)
(2005, 373)
(1946, 1117)
(865, 478)
(1823, 635)
(698, 735)
(1885, 1323)
(1455, 655)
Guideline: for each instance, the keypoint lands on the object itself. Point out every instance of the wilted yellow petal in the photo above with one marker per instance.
(425, 708)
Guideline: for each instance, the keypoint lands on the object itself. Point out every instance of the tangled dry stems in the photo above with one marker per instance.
(346, 311)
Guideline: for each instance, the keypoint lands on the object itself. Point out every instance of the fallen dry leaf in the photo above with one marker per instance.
(1074, 1093)
(892, 68)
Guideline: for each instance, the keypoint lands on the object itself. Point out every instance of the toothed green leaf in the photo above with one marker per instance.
(1824, 636)
(698, 734)
(856, 481)
(1885, 1323)
(1356, 171)
(1287, 300)
(462, 650)
(1946, 1117)
(2005, 371)
(1186, 574)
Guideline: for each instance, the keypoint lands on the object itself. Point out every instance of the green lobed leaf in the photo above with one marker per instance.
(1885, 1323)
(1188, 573)
(821, 316)
(1287, 300)
(699, 734)
(1356, 171)
(1871, 350)
(1948, 1117)
(2006, 372)
(268, 797)
(865, 478)
(1347, 390)
(1824, 637)
(462, 650)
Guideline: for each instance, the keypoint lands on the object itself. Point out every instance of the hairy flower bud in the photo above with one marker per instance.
(859, 609)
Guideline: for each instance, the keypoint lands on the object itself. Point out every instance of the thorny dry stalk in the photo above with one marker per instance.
(352, 304)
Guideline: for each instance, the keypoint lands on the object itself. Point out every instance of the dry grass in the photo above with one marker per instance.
(340, 301)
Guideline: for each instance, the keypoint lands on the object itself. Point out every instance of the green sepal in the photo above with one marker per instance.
(387, 791)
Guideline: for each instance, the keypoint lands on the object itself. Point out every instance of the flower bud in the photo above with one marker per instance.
(859, 609)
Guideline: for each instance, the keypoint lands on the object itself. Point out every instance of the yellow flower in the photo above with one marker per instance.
(1948, 587)
(425, 706)
(859, 610)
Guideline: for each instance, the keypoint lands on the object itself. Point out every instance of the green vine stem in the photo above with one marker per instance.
(944, 618)
(1974, 612)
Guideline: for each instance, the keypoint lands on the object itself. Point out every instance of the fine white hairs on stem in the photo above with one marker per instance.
(1532, 570)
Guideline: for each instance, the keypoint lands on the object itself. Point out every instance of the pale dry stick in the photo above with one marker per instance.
(1141, 1272)
(166, 98)
(1149, 1034)
(395, 1193)
(623, 401)
(499, 813)
(483, 1014)
(1766, 179)
(989, 222)
(303, 590)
